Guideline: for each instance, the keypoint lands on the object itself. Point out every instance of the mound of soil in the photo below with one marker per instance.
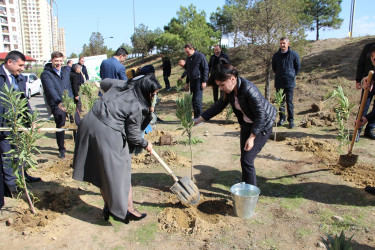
(26, 220)
(319, 119)
(168, 156)
(197, 220)
(321, 149)
(361, 174)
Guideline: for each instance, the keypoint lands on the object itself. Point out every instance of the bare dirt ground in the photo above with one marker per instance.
(305, 194)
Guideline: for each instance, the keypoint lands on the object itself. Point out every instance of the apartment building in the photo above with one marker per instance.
(36, 28)
(11, 33)
(28, 26)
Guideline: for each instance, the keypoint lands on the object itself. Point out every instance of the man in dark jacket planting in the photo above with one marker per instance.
(286, 65)
(55, 81)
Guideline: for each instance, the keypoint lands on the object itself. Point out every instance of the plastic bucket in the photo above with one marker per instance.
(245, 197)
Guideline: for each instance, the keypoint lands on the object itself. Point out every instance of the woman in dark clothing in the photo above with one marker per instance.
(102, 156)
(254, 113)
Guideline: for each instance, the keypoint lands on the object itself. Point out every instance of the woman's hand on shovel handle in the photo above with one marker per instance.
(366, 84)
(149, 147)
(362, 122)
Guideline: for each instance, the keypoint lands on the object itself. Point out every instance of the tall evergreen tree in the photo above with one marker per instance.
(323, 14)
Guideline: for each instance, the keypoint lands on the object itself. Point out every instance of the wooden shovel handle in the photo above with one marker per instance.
(164, 165)
(43, 129)
(361, 109)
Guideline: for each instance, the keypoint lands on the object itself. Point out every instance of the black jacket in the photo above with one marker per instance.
(75, 82)
(252, 103)
(196, 67)
(286, 66)
(54, 85)
(84, 72)
(167, 68)
(364, 64)
(21, 81)
(214, 61)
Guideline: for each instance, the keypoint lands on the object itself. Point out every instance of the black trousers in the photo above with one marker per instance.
(6, 165)
(248, 157)
(288, 92)
(2, 188)
(215, 91)
(370, 125)
(196, 90)
(166, 81)
(60, 118)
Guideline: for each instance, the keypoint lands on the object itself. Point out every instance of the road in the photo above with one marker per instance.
(37, 103)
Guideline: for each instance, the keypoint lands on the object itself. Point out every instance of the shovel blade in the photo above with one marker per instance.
(186, 191)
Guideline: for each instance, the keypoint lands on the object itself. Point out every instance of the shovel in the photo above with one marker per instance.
(350, 159)
(185, 189)
(42, 129)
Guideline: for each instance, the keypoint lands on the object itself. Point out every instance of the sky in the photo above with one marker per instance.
(114, 18)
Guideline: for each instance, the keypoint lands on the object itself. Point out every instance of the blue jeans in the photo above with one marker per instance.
(371, 125)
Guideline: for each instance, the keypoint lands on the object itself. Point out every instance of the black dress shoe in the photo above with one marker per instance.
(30, 179)
(281, 122)
(291, 125)
(370, 190)
(62, 153)
(370, 134)
(106, 213)
(131, 216)
(14, 191)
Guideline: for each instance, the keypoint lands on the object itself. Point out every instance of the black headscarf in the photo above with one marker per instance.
(145, 86)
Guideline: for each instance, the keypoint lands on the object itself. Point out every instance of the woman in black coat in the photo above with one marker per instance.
(254, 113)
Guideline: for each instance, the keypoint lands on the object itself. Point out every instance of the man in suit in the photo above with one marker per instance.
(84, 74)
(212, 65)
(55, 81)
(113, 67)
(10, 74)
(68, 66)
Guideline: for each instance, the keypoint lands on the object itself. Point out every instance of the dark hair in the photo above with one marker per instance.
(224, 71)
(189, 45)
(284, 38)
(372, 48)
(14, 55)
(75, 66)
(121, 51)
(81, 58)
(69, 61)
(56, 54)
(145, 70)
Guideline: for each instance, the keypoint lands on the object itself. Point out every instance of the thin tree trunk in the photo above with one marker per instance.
(268, 81)
(26, 190)
(317, 30)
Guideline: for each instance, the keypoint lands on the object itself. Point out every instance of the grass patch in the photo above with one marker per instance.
(226, 179)
(292, 203)
(302, 232)
(194, 141)
(145, 234)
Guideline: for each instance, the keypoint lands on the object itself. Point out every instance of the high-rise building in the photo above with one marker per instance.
(61, 45)
(28, 26)
(36, 28)
(11, 33)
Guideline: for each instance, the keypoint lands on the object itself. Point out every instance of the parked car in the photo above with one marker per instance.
(33, 85)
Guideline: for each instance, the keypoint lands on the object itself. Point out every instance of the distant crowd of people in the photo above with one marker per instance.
(113, 129)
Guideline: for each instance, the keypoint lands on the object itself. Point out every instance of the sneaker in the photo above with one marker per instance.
(62, 153)
(291, 125)
(281, 122)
